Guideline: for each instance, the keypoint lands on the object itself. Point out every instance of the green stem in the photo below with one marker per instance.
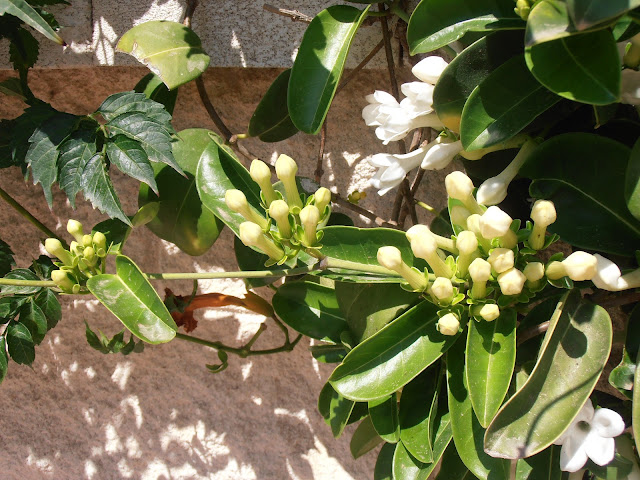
(329, 262)
(254, 274)
(27, 283)
(241, 352)
(25, 213)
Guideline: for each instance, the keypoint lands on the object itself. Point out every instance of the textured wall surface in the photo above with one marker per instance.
(78, 414)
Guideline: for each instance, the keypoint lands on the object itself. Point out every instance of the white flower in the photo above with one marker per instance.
(494, 223)
(419, 98)
(393, 168)
(590, 435)
(608, 276)
(429, 69)
(381, 104)
(440, 154)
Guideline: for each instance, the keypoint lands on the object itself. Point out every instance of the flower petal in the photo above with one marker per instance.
(429, 69)
(573, 455)
(441, 154)
(599, 449)
(607, 423)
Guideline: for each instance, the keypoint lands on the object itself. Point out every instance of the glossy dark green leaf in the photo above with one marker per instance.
(453, 468)
(26, 13)
(4, 359)
(319, 64)
(392, 357)
(154, 89)
(468, 434)
(632, 182)
(384, 416)
(311, 309)
(6, 258)
(504, 103)
(384, 464)
(131, 159)
(75, 153)
(335, 409)
(618, 469)
(116, 233)
(436, 23)
(406, 467)
(584, 68)
(621, 377)
(548, 20)
(586, 13)
(20, 344)
(98, 189)
(218, 172)
(573, 354)
(368, 307)
(490, 359)
(271, 121)
(131, 298)
(43, 151)
(31, 316)
(328, 353)
(20, 274)
(364, 439)
(542, 466)
(182, 218)
(587, 192)
(468, 70)
(50, 306)
(169, 49)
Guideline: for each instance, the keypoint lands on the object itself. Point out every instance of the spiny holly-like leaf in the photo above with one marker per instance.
(6, 258)
(99, 190)
(43, 152)
(129, 156)
(20, 343)
(25, 125)
(75, 153)
(124, 102)
(154, 137)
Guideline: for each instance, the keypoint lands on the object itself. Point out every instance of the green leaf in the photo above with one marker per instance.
(548, 20)
(182, 218)
(116, 233)
(618, 469)
(31, 316)
(271, 121)
(384, 416)
(452, 467)
(94, 340)
(169, 49)
(573, 354)
(504, 103)
(467, 432)
(20, 344)
(218, 172)
(50, 306)
(490, 359)
(20, 274)
(586, 191)
(635, 409)
(4, 359)
(6, 258)
(335, 409)
(584, 68)
(406, 467)
(154, 138)
(328, 353)
(131, 159)
(436, 23)
(319, 64)
(75, 153)
(542, 466)
(586, 13)
(26, 13)
(23, 50)
(384, 463)
(623, 374)
(26, 124)
(632, 182)
(131, 298)
(468, 70)
(369, 307)
(392, 357)
(127, 102)
(364, 439)
(311, 309)
(98, 189)
(43, 151)
(154, 88)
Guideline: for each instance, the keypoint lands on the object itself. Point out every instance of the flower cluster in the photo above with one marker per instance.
(289, 222)
(84, 258)
(491, 262)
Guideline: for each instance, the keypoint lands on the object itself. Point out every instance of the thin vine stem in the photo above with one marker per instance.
(251, 274)
(244, 351)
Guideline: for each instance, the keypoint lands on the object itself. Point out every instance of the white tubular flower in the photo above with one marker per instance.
(425, 246)
(488, 312)
(608, 276)
(380, 105)
(449, 325)
(390, 258)
(237, 201)
(393, 168)
(442, 290)
(286, 170)
(398, 124)
(511, 282)
(441, 153)
(494, 189)
(442, 242)
(279, 211)
(480, 272)
(467, 244)
(501, 259)
(578, 266)
(494, 223)
(460, 187)
(419, 99)
(429, 69)
(543, 214)
(261, 174)
(252, 236)
(473, 225)
(590, 435)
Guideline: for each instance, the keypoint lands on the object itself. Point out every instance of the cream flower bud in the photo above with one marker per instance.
(608, 276)
(87, 240)
(74, 227)
(580, 266)
(480, 272)
(425, 247)
(543, 214)
(417, 230)
(279, 211)
(54, 247)
(286, 170)
(100, 242)
(501, 259)
(391, 258)
(534, 271)
(460, 187)
(494, 223)
(467, 244)
(441, 153)
(473, 225)
(443, 242)
(322, 198)
(429, 69)
(252, 235)
(309, 217)
(488, 312)
(449, 325)
(62, 280)
(511, 282)
(442, 289)
(261, 174)
(237, 202)
(89, 253)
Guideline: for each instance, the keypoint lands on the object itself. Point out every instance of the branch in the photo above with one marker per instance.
(361, 65)
(319, 164)
(362, 211)
(294, 15)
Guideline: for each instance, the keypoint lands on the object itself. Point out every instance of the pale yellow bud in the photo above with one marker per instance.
(543, 214)
(54, 247)
(279, 211)
(511, 282)
(442, 289)
(417, 230)
(534, 271)
(252, 235)
(100, 242)
(442, 242)
(501, 259)
(87, 240)
(494, 223)
(322, 198)
(62, 280)
(391, 258)
(89, 253)
(74, 227)
(480, 270)
(467, 242)
(261, 174)
(460, 187)
(309, 217)
(425, 246)
(581, 266)
(449, 325)
(237, 201)
(286, 169)
(488, 312)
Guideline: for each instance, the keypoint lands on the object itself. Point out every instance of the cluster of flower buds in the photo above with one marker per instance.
(84, 259)
(490, 263)
(288, 221)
